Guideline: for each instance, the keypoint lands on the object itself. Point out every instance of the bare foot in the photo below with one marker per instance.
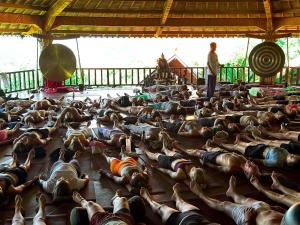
(195, 188)
(145, 194)
(31, 154)
(237, 139)
(42, 200)
(176, 189)
(275, 180)
(18, 202)
(118, 194)
(255, 182)
(231, 189)
(77, 197)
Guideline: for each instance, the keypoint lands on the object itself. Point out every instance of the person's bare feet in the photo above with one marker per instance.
(18, 202)
(62, 154)
(275, 180)
(31, 154)
(42, 200)
(237, 138)
(208, 144)
(145, 194)
(255, 182)
(231, 189)
(77, 197)
(15, 158)
(195, 188)
(118, 194)
(176, 189)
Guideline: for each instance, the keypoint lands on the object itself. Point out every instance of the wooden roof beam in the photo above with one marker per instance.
(268, 11)
(167, 7)
(289, 21)
(24, 7)
(54, 11)
(171, 22)
(13, 18)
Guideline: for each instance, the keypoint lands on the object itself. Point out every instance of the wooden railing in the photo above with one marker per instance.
(97, 77)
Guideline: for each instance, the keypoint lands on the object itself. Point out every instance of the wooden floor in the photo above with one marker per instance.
(102, 190)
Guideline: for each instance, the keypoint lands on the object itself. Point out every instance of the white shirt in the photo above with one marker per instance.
(213, 62)
(68, 172)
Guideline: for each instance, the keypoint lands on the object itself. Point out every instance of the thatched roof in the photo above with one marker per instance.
(147, 18)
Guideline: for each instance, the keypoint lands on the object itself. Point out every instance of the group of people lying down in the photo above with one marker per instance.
(178, 132)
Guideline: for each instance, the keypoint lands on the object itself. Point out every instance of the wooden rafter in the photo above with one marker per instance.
(167, 7)
(268, 11)
(54, 11)
(290, 21)
(171, 22)
(13, 18)
(19, 6)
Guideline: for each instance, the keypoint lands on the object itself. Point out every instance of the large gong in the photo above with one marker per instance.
(266, 59)
(57, 62)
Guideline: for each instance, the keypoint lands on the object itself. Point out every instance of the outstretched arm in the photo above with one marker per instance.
(116, 179)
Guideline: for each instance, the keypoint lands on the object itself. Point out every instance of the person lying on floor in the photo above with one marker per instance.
(176, 166)
(112, 136)
(47, 103)
(194, 129)
(34, 139)
(288, 198)
(78, 140)
(245, 210)
(186, 213)
(126, 100)
(171, 125)
(72, 114)
(98, 216)
(267, 155)
(36, 116)
(26, 103)
(283, 133)
(64, 178)
(8, 116)
(291, 146)
(39, 218)
(126, 172)
(150, 132)
(13, 178)
(224, 161)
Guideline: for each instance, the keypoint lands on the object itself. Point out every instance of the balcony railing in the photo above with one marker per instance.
(97, 77)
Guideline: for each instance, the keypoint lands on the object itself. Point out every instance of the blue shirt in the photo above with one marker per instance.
(276, 157)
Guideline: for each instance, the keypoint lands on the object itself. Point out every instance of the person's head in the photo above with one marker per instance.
(206, 132)
(233, 128)
(250, 169)
(62, 190)
(292, 215)
(138, 180)
(207, 104)
(292, 160)
(114, 117)
(222, 135)
(213, 46)
(198, 175)
(2, 123)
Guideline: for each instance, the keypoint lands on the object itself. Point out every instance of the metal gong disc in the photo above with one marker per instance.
(266, 59)
(57, 62)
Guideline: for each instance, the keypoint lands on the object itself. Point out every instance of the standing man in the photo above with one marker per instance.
(212, 70)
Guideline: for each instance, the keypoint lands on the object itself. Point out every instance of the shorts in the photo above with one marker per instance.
(102, 218)
(44, 132)
(192, 217)
(243, 215)
(292, 147)
(20, 172)
(165, 161)
(255, 151)
(210, 157)
(206, 122)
